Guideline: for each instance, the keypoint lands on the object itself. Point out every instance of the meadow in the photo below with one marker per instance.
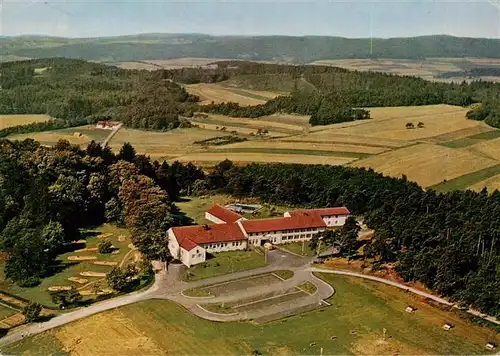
(353, 324)
(15, 120)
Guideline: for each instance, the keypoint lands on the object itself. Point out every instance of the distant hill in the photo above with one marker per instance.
(269, 48)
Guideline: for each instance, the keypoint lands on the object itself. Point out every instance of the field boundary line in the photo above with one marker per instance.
(10, 307)
(187, 296)
(209, 312)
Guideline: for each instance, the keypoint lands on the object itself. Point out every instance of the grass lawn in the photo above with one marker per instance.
(467, 180)
(224, 263)
(308, 287)
(197, 292)
(352, 325)
(296, 247)
(284, 274)
(69, 269)
(195, 207)
(6, 311)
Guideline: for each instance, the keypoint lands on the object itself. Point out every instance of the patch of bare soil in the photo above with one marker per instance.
(376, 345)
(81, 258)
(14, 320)
(78, 280)
(92, 274)
(95, 335)
(105, 263)
(58, 288)
(88, 249)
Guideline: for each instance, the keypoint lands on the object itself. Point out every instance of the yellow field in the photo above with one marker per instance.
(426, 164)
(390, 123)
(331, 136)
(276, 144)
(15, 120)
(263, 157)
(489, 148)
(220, 94)
(163, 144)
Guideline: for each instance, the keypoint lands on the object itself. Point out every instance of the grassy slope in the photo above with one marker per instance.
(40, 293)
(226, 262)
(352, 325)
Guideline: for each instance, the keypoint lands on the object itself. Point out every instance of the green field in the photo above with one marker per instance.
(467, 180)
(6, 311)
(353, 324)
(195, 208)
(224, 263)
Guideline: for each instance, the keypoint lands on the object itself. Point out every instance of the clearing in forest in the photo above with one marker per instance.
(80, 135)
(220, 94)
(16, 120)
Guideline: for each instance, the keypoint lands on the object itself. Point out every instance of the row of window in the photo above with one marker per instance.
(284, 231)
(224, 244)
(297, 237)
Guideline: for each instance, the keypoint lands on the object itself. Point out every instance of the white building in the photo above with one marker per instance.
(231, 231)
(190, 244)
(107, 125)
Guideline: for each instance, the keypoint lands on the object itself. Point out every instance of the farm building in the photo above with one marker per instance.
(232, 232)
(107, 125)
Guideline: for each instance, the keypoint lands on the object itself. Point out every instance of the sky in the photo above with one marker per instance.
(354, 18)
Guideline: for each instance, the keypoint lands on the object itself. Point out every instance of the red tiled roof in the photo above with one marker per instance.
(223, 213)
(189, 237)
(323, 212)
(298, 221)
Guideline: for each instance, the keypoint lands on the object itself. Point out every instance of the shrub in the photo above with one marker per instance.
(104, 246)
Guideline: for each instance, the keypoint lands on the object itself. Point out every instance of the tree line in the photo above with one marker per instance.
(448, 241)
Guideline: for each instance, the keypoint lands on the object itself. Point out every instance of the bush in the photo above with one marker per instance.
(104, 246)
(32, 311)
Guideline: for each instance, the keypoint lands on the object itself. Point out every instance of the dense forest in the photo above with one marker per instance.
(450, 242)
(48, 194)
(76, 91)
(301, 49)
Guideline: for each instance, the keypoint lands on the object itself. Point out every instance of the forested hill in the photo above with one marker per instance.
(284, 48)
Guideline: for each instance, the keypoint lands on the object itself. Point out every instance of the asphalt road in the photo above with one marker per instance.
(168, 286)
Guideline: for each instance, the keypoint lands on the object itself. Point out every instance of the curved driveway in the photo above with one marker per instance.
(167, 286)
